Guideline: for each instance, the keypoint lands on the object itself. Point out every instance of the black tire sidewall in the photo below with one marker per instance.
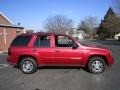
(96, 59)
(119, 38)
(32, 61)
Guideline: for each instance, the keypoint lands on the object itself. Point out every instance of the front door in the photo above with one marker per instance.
(64, 53)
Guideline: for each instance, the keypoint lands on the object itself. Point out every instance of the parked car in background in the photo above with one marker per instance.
(30, 51)
(117, 36)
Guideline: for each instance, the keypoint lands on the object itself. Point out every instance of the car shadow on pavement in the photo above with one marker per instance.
(58, 67)
(64, 67)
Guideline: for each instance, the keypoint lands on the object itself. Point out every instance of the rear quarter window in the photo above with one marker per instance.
(21, 41)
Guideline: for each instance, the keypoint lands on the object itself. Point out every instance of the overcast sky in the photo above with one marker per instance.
(32, 13)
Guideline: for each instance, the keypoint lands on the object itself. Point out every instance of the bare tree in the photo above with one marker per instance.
(88, 25)
(58, 23)
(83, 26)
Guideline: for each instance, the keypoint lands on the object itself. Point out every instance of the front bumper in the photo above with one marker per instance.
(110, 59)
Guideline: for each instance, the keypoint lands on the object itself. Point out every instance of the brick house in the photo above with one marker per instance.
(8, 32)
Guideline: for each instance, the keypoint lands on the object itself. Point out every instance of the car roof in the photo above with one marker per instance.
(42, 33)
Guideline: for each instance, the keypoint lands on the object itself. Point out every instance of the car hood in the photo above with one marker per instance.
(94, 45)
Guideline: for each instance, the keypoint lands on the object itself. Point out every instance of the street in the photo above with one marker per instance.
(67, 78)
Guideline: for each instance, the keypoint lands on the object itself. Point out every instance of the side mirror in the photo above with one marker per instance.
(74, 46)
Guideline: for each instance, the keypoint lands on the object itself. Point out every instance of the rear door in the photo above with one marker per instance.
(43, 46)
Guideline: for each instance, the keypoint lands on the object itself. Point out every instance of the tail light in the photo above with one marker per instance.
(9, 51)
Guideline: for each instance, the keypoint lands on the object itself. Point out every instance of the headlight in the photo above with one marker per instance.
(110, 53)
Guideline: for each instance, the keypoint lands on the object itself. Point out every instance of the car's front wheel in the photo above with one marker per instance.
(28, 65)
(96, 65)
(119, 38)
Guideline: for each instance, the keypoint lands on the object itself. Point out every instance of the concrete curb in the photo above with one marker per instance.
(3, 51)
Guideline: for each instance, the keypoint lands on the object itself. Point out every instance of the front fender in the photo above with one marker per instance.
(88, 54)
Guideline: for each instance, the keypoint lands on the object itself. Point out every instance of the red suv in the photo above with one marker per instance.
(29, 51)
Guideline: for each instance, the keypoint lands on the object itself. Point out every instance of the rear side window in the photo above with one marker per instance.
(42, 41)
(21, 41)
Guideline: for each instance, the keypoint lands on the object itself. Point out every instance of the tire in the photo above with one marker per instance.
(119, 38)
(28, 65)
(96, 65)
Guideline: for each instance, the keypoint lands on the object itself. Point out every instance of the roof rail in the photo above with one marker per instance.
(51, 33)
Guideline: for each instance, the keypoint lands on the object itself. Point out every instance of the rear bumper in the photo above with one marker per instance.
(11, 60)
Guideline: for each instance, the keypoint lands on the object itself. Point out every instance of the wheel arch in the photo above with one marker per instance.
(98, 55)
(23, 56)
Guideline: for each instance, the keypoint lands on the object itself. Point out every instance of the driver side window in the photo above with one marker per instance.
(63, 41)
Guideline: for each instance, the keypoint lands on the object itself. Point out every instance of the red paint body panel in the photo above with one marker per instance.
(68, 56)
(57, 55)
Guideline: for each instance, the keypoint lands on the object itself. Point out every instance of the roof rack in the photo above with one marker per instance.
(51, 33)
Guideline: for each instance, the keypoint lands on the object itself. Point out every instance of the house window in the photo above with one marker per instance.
(17, 32)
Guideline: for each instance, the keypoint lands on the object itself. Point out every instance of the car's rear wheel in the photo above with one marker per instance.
(96, 65)
(28, 65)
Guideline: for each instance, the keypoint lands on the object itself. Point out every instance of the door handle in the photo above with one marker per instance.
(57, 51)
(34, 50)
